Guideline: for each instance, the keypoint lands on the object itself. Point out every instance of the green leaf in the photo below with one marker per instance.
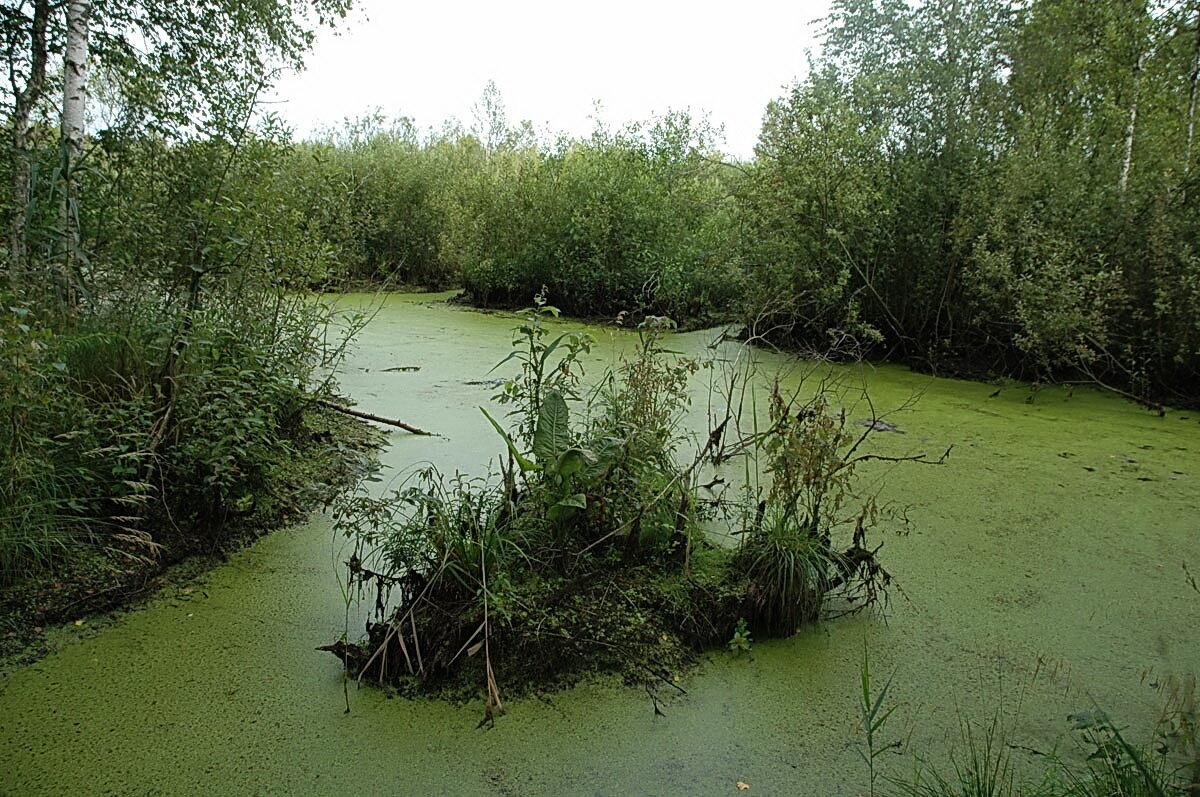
(522, 461)
(544, 356)
(599, 459)
(578, 500)
(571, 461)
(511, 354)
(552, 436)
(567, 508)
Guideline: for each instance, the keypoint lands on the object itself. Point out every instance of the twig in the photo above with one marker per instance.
(920, 459)
(1191, 580)
(370, 417)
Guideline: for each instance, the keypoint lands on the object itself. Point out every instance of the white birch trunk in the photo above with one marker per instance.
(1131, 128)
(74, 110)
(1191, 119)
(75, 65)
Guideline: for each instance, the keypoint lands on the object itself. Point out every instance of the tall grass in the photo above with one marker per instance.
(153, 408)
(1106, 764)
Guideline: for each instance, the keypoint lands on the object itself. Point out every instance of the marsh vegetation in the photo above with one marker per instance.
(588, 549)
(999, 190)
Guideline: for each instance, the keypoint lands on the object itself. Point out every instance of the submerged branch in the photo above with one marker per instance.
(371, 417)
(920, 459)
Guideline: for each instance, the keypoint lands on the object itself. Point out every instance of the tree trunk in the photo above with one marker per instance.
(1191, 118)
(1138, 46)
(75, 65)
(956, 89)
(25, 100)
(74, 110)
(1131, 127)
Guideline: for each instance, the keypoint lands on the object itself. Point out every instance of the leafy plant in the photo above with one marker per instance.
(788, 550)
(873, 716)
(741, 641)
(545, 367)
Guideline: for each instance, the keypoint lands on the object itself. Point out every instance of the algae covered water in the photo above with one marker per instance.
(1041, 572)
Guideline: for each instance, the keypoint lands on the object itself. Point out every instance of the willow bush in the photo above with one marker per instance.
(634, 219)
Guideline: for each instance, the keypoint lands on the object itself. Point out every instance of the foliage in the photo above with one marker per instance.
(873, 713)
(540, 376)
(982, 187)
(624, 220)
(586, 551)
(180, 377)
(742, 640)
(787, 551)
(55, 472)
(166, 66)
(987, 186)
(157, 359)
(372, 194)
(633, 219)
(1110, 764)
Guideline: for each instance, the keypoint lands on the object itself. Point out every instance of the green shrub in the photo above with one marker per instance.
(587, 550)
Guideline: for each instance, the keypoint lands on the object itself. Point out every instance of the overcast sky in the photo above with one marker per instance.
(553, 60)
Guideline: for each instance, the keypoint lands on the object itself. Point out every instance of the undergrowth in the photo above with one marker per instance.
(586, 549)
(1104, 759)
(327, 452)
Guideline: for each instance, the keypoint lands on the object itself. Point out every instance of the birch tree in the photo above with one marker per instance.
(1137, 55)
(175, 67)
(25, 30)
(74, 113)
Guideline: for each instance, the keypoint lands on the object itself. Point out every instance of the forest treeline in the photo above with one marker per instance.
(980, 187)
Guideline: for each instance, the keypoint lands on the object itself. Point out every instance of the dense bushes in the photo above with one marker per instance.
(154, 364)
(157, 404)
(621, 221)
(984, 188)
(371, 195)
(55, 470)
(634, 220)
(991, 188)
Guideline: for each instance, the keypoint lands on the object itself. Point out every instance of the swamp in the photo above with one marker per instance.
(997, 616)
(492, 459)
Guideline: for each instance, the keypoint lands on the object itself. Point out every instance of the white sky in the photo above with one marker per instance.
(553, 59)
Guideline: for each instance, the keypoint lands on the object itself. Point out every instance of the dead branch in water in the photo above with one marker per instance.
(370, 417)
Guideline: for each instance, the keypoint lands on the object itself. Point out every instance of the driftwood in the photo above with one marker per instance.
(369, 417)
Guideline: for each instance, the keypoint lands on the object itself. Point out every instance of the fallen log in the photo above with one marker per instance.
(370, 417)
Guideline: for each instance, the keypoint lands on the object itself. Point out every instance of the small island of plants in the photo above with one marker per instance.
(588, 550)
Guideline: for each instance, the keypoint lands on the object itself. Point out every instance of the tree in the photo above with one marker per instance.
(176, 67)
(74, 109)
(909, 100)
(26, 30)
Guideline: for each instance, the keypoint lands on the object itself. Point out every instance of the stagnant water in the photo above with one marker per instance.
(1042, 575)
